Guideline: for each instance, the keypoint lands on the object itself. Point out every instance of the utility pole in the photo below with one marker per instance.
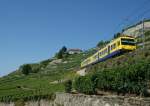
(143, 35)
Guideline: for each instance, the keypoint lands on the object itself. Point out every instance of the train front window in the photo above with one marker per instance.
(127, 41)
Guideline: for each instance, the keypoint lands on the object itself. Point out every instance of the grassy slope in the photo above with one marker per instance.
(47, 80)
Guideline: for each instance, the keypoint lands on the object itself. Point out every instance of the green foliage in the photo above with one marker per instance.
(39, 84)
(84, 85)
(122, 80)
(62, 53)
(147, 33)
(102, 43)
(117, 35)
(26, 69)
(68, 86)
(45, 62)
(64, 49)
(35, 68)
(125, 74)
(146, 38)
(59, 55)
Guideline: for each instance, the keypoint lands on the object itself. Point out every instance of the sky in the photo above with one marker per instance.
(34, 30)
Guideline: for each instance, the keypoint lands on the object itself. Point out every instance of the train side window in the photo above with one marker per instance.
(112, 46)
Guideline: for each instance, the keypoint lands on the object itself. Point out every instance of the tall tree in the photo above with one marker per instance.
(117, 35)
(101, 43)
(62, 52)
(26, 69)
(64, 49)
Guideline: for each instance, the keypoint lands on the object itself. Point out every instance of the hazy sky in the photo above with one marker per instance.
(34, 30)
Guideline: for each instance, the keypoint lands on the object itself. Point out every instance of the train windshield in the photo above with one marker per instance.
(128, 41)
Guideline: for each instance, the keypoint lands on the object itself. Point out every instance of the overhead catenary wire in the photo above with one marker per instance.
(132, 14)
(140, 7)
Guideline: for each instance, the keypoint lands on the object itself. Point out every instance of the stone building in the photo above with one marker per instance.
(74, 51)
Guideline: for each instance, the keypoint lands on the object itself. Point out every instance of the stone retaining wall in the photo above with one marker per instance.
(64, 99)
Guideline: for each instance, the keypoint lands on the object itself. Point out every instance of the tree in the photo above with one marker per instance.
(26, 69)
(64, 49)
(62, 52)
(102, 43)
(117, 35)
(84, 85)
(59, 55)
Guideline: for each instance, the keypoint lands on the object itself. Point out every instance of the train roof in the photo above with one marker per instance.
(123, 36)
(126, 36)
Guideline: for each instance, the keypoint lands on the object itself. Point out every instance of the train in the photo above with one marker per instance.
(115, 47)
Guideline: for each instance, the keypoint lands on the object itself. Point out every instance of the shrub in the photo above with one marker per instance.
(59, 55)
(102, 43)
(147, 33)
(84, 85)
(45, 62)
(68, 86)
(36, 68)
(130, 79)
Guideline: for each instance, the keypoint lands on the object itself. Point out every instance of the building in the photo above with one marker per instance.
(74, 51)
(136, 30)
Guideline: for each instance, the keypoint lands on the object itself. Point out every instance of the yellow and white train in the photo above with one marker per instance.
(115, 47)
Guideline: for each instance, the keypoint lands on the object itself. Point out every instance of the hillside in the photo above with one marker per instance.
(48, 76)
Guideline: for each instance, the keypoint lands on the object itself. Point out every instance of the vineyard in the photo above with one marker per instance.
(126, 74)
(41, 83)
